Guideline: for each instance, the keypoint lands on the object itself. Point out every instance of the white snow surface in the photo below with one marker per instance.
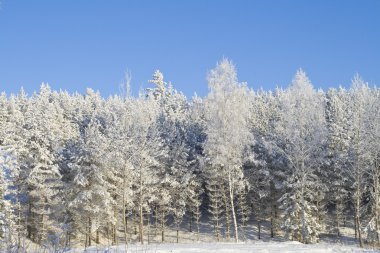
(256, 247)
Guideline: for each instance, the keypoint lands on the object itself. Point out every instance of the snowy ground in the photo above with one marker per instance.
(257, 247)
(190, 243)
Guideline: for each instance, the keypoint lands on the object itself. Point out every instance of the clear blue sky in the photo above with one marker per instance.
(74, 44)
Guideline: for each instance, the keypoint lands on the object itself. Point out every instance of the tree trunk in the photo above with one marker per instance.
(28, 227)
(259, 226)
(376, 197)
(148, 226)
(232, 206)
(359, 232)
(217, 231)
(19, 220)
(227, 215)
(114, 233)
(271, 227)
(197, 220)
(216, 220)
(156, 213)
(86, 241)
(125, 228)
(377, 228)
(190, 222)
(338, 216)
(135, 221)
(89, 231)
(162, 225)
(303, 203)
(141, 223)
(357, 208)
(42, 232)
(273, 221)
(356, 230)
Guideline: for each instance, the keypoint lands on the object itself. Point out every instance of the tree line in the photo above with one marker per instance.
(80, 167)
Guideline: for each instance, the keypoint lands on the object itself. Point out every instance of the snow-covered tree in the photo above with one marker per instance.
(42, 131)
(338, 126)
(243, 208)
(121, 133)
(194, 202)
(373, 184)
(6, 212)
(147, 150)
(302, 132)
(17, 146)
(79, 168)
(177, 133)
(227, 131)
(263, 162)
(358, 151)
(215, 199)
(89, 196)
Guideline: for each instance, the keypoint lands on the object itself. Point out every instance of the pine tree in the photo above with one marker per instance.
(89, 197)
(337, 118)
(302, 129)
(243, 209)
(215, 199)
(41, 131)
(6, 212)
(194, 202)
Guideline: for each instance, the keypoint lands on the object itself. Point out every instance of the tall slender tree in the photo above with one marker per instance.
(227, 131)
(302, 129)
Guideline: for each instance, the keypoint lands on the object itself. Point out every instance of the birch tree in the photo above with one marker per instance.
(373, 145)
(358, 152)
(227, 131)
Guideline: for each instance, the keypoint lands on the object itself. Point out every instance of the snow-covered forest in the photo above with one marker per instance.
(81, 169)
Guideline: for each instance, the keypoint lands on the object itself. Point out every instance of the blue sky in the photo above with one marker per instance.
(75, 44)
